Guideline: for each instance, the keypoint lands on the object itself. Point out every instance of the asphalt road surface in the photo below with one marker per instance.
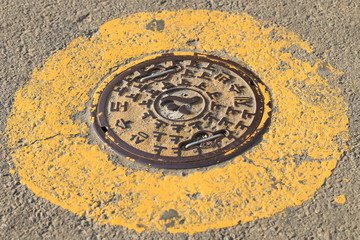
(32, 31)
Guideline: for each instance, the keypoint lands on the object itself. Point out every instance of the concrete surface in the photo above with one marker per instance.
(31, 31)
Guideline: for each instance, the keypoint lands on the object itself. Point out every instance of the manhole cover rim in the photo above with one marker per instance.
(252, 135)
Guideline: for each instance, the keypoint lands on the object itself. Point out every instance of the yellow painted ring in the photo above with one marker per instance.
(305, 140)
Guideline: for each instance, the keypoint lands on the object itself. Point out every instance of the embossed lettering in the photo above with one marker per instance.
(210, 117)
(159, 149)
(118, 107)
(159, 123)
(246, 101)
(214, 94)
(210, 67)
(196, 125)
(237, 88)
(188, 74)
(246, 114)
(149, 114)
(232, 111)
(121, 91)
(215, 106)
(140, 137)
(205, 76)
(185, 83)
(153, 93)
(175, 138)
(158, 135)
(225, 121)
(231, 135)
(146, 103)
(134, 97)
(241, 125)
(201, 86)
(194, 64)
(167, 85)
(142, 87)
(177, 151)
(122, 123)
(177, 127)
(224, 77)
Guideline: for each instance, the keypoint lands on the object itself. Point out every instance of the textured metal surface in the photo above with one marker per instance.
(181, 111)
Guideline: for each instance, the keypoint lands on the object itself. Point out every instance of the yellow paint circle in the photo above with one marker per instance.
(51, 148)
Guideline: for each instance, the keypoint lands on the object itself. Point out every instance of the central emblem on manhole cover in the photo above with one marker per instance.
(180, 104)
(182, 110)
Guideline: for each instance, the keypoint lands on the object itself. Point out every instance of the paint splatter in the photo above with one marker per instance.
(341, 199)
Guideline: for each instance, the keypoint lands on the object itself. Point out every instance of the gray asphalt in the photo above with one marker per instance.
(31, 31)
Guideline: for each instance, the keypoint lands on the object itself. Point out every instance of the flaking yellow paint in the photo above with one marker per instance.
(55, 159)
(341, 199)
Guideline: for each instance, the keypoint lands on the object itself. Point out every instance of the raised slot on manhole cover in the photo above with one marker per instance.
(182, 110)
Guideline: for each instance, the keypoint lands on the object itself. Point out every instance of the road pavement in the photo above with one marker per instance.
(32, 31)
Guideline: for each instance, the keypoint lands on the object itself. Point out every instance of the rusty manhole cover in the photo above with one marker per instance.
(181, 111)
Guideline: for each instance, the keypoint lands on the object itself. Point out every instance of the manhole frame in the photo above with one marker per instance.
(261, 120)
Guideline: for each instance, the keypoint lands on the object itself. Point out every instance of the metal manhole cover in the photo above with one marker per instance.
(181, 111)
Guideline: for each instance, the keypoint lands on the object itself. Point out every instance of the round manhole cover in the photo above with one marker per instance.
(181, 110)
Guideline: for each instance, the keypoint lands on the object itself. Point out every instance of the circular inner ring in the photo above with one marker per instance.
(181, 111)
(180, 104)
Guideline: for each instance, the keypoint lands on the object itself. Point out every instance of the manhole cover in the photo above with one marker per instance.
(181, 110)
